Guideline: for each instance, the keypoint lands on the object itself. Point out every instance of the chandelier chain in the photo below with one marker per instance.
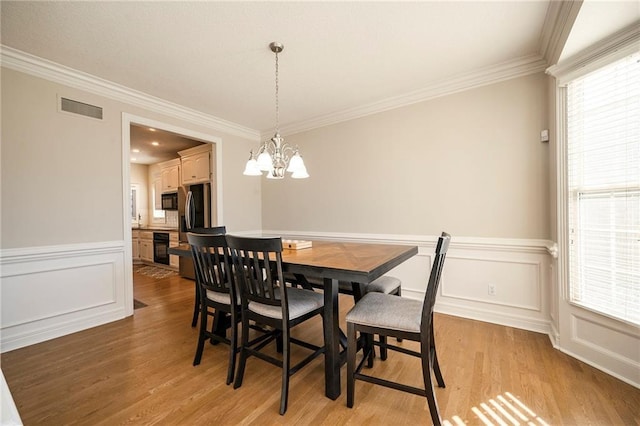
(277, 102)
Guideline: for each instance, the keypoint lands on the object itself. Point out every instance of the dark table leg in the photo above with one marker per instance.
(331, 339)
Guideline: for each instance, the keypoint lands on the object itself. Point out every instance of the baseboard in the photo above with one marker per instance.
(485, 315)
(21, 338)
(600, 367)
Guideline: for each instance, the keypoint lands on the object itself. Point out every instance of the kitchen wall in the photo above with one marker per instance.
(63, 201)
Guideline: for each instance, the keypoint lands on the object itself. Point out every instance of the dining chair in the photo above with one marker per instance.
(218, 291)
(385, 284)
(387, 315)
(196, 306)
(267, 300)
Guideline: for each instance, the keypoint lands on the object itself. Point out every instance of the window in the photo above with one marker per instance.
(603, 152)
(158, 215)
(134, 203)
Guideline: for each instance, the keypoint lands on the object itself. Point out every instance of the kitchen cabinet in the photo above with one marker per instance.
(146, 246)
(157, 193)
(135, 244)
(170, 175)
(174, 261)
(196, 164)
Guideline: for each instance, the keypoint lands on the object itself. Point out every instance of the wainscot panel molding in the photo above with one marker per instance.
(39, 67)
(518, 270)
(48, 292)
(612, 346)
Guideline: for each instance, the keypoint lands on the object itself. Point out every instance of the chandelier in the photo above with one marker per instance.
(275, 156)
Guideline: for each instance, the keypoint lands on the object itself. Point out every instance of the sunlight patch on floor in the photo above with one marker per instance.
(503, 410)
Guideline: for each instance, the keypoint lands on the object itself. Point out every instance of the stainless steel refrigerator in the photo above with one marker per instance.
(194, 209)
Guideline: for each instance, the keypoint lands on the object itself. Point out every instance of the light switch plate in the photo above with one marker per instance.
(544, 136)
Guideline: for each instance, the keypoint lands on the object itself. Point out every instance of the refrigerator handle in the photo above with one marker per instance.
(187, 209)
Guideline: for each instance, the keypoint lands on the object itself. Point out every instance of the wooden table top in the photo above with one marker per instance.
(348, 261)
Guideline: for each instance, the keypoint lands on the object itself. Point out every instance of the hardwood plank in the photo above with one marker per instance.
(139, 371)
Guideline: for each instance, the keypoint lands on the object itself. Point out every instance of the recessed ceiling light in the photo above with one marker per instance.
(152, 130)
(135, 150)
(154, 143)
(134, 159)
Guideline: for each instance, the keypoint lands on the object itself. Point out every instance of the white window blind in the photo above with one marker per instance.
(603, 151)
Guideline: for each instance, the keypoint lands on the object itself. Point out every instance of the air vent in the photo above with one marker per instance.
(76, 107)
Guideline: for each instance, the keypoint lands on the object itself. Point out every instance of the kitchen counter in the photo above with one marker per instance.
(183, 250)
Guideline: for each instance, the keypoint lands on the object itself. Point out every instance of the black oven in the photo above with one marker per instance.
(161, 247)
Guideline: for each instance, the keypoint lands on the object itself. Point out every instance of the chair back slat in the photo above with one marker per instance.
(434, 282)
(258, 266)
(212, 263)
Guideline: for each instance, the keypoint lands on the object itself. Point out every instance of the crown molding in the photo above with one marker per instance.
(622, 43)
(561, 15)
(33, 65)
(489, 75)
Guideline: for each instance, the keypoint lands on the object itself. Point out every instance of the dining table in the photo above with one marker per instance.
(334, 261)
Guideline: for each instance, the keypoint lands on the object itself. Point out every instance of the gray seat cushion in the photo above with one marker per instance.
(222, 297)
(300, 302)
(387, 311)
(385, 284)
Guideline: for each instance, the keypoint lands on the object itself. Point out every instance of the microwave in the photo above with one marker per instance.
(170, 201)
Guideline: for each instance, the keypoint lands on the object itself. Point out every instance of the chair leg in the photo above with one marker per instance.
(369, 349)
(383, 347)
(286, 365)
(233, 343)
(352, 348)
(243, 353)
(431, 397)
(196, 306)
(201, 337)
(434, 360)
(399, 294)
(436, 368)
(428, 350)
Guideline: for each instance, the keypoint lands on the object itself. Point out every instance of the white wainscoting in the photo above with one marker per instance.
(519, 270)
(48, 292)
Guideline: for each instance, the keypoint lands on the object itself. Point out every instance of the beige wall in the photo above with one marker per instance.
(470, 163)
(62, 173)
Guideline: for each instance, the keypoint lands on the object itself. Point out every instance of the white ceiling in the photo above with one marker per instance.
(151, 146)
(213, 57)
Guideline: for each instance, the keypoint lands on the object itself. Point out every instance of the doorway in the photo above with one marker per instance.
(216, 188)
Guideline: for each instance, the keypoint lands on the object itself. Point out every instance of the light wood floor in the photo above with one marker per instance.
(139, 371)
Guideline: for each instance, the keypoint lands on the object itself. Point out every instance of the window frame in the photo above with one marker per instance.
(605, 54)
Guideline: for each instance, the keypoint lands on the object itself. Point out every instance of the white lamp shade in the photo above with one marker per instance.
(296, 163)
(252, 169)
(301, 173)
(264, 161)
